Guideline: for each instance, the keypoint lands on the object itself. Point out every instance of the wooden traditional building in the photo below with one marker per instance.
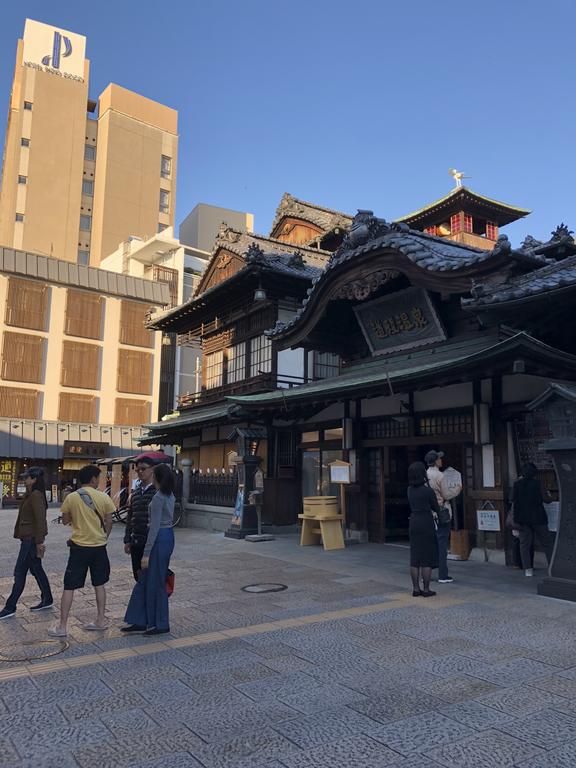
(440, 345)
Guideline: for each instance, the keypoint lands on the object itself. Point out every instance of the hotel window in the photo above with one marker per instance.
(134, 372)
(85, 222)
(468, 224)
(491, 230)
(22, 180)
(326, 364)
(19, 217)
(455, 223)
(89, 153)
(77, 408)
(165, 166)
(22, 357)
(131, 413)
(80, 365)
(88, 187)
(132, 324)
(260, 355)
(18, 403)
(214, 369)
(236, 363)
(162, 227)
(83, 258)
(164, 201)
(26, 304)
(28, 105)
(83, 314)
(25, 142)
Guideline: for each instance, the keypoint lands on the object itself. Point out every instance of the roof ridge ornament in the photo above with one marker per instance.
(561, 232)
(458, 176)
(254, 254)
(296, 260)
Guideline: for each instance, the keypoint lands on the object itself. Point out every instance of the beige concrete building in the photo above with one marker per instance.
(79, 371)
(79, 176)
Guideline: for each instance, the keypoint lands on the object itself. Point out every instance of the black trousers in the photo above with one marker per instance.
(136, 555)
(527, 535)
(28, 561)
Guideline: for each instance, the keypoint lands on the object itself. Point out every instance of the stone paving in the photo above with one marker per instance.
(343, 668)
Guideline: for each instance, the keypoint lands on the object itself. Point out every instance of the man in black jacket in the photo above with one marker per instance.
(137, 520)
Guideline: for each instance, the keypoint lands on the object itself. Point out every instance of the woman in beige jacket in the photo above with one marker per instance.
(31, 529)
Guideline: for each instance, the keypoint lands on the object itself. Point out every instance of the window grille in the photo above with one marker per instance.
(132, 325)
(80, 365)
(236, 356)
(135, 372)
(22, 357)
(214, 369)
(468, 223)
(260, 355)
(18, 403)
(325, 365)
(387, 428)
(455, 223)
(83, 314)
(491, 230)
(448, 424)
(131, 413)
(26, 304)
(77, 408)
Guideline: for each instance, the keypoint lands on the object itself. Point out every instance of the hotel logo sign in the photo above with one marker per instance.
(53, 50)
(402, 320)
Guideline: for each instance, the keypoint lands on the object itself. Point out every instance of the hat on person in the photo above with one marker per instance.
(432, 457)
(152, 458)
(33, 472)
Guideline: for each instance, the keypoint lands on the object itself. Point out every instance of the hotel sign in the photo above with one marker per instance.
(402, 320)
(54, 50)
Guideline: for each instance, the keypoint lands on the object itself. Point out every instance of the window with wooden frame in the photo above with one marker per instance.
(213, 370)
(325, 365)
(80, 365)
(468, 223)
(455, 223)
(491, 230)
(22, 357)
(132, 324)
(18, 403)
(135, 372)
(236, 368)
(131, 413)
(83, 314)
(431, 230)
(77, 408)
(26, 304)
(260, 355)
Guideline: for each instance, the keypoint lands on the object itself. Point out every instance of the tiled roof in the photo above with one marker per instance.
(508, 213)
(187, 419)
(238, 242)
(326, 219)
(435, 254)
(553, 277)
(381, 374)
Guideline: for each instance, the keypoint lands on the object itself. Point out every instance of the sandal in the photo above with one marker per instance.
(92, 627)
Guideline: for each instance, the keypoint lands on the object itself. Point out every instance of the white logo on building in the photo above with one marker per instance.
(54, 50)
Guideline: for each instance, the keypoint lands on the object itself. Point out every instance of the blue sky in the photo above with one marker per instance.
(362, 104)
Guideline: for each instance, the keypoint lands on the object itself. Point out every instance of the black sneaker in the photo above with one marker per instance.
(42, 606)
(6, 613)
(447, 580)
(132, 628)
(154, 631)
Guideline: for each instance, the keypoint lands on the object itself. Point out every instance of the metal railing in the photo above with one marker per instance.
(217, 489)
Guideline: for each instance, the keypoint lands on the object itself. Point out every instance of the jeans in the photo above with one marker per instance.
(28, 561)
(545, 538)
(148, 606)
(443, 536)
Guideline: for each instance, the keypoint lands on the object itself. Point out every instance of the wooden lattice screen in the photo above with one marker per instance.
(26, 304)
(83, 314)
(79, 408)
(80, 365)
(134, 372)
(132, 328)
(22, 357)
(18, 403)
(132, 413)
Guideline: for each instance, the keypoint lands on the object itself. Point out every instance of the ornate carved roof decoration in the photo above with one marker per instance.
(560, 246)
(254, 254)
(296, 260)
(326, 219)
(561, 232)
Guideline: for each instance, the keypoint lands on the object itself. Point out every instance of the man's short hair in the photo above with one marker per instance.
(88, 473)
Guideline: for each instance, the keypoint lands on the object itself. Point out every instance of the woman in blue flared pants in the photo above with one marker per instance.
(147, 610)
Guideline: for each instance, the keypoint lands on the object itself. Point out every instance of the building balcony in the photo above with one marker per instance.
(264, 382)
(471, 239)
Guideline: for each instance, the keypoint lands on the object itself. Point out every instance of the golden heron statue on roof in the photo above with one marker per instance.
(457, 176)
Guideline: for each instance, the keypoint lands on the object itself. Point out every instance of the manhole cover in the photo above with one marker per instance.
(29, 650)
(264, 588)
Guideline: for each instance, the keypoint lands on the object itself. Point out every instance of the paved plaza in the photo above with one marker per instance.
(342, 669)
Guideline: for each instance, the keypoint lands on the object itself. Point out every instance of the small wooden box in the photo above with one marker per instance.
(320, 506)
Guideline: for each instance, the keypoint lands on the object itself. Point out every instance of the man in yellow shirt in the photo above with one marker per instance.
(89, 512)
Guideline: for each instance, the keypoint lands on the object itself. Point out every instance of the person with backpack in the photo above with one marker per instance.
(529, 516)
(433, 461)
(31, 529)
(89, 512)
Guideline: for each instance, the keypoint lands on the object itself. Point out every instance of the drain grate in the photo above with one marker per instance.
(30, 650)
(265, 588)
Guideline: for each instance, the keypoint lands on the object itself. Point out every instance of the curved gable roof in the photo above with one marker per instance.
(326, 219)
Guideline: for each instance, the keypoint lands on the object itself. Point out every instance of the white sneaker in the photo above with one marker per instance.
(529, 572)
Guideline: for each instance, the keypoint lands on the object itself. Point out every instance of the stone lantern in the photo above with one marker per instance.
(245, 519)
(558, 403)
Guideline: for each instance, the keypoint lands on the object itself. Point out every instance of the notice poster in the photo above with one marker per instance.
(238, 516)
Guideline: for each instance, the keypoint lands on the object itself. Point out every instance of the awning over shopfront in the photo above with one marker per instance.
(165, 432)
(432, 366)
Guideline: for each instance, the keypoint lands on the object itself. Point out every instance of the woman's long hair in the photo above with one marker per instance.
(417, 474)
(40, 485)
(165, 478)
(529, 470)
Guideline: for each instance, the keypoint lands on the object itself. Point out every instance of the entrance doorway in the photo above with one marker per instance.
(387, 485)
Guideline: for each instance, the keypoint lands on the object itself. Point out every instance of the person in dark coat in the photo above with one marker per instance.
(137, 518)
(530, 516)
(31, 529)
(424, 510)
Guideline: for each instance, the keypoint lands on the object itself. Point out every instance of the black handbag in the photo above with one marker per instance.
(444, 516)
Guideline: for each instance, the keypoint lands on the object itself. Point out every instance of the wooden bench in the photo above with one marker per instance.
(327, 528)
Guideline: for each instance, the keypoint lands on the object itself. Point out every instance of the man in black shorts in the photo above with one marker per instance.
(89, 512)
